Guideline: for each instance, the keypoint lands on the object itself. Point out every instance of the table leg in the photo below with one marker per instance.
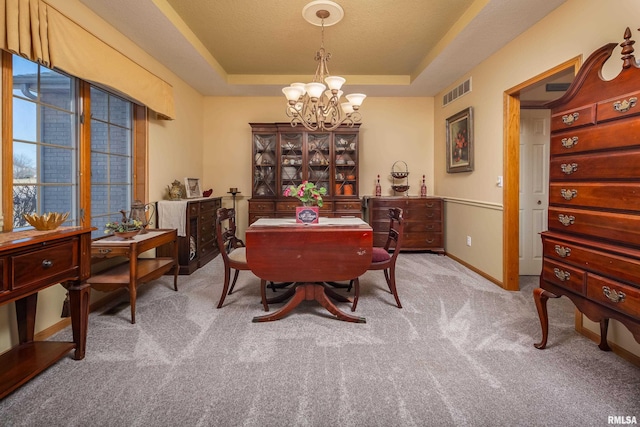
(79, 296)
(26, 317)
(309, 291)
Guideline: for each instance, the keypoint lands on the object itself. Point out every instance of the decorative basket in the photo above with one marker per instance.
(397, 172)
(47, 221)
(400, 188)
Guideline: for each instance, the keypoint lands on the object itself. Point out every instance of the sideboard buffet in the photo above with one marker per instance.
(591, 251)
(423, 221)
(284, 156)
(195, 220)
(31, 261)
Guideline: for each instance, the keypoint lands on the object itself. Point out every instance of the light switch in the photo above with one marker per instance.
(499, 181)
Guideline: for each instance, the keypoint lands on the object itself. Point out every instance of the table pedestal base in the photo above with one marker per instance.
(307, 292)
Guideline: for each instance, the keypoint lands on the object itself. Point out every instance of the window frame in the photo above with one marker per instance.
(140, 169)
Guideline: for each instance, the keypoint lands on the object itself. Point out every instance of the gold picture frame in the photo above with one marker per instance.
(460, 142)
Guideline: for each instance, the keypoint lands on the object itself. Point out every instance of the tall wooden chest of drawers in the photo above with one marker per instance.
(423, 221)
(592, 248)
(198, 246)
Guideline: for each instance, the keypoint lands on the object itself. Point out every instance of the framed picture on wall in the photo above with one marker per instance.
(192, 187)
(460, 142)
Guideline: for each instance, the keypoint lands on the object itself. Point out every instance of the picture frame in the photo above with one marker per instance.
(460, 141)
(192, 187)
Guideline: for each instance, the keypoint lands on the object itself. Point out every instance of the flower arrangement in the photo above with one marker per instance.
(122, 226)
(307, 192)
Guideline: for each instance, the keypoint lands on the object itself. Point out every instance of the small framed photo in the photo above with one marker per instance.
(460, 142)
(192, 187)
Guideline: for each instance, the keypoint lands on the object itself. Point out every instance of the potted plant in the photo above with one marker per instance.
(311, 197)
(125, 229)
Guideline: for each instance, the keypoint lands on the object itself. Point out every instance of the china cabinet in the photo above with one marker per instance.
(285, 156)
(591, 253)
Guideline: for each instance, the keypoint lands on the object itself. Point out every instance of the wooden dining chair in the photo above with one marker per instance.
(233, 252)
(384, 258)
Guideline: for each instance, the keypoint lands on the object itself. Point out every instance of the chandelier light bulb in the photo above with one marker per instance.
(335, 82)
(301, 86)
(292, 93)
(347, 107)
(356, 99)
(315, 89)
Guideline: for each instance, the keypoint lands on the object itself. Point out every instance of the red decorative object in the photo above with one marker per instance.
(307, 214)
(207, 193)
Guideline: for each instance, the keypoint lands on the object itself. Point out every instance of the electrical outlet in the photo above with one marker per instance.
(468, 240)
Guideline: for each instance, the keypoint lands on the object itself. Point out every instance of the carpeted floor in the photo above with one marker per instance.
(460, 353)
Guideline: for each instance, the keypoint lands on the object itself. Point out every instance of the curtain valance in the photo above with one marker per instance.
(37, 31)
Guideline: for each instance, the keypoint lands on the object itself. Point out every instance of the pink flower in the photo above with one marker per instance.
(301, 192)
(287, 192)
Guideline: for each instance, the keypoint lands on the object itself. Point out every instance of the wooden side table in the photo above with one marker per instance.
(31, 261)
(135, 271)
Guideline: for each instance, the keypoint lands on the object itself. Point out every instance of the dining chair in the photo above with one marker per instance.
(233, 252)
(384, 258)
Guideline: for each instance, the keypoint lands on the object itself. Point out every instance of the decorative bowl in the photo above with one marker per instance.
(126, 235)
(400, 188)
(47, 221)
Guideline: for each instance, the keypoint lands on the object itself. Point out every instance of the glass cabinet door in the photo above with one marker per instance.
(318, 155)
(264, 171)
(346, 161)
(291, 160)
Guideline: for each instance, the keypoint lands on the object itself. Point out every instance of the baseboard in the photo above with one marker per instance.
(475, 270)
(66, 321)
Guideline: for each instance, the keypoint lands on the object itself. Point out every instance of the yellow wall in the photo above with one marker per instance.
(578, 27)
(393, 129)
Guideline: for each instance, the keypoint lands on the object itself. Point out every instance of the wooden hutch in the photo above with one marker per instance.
(283, 156)
(592, 249)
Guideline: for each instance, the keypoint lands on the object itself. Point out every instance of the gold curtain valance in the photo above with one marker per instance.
(37, 31)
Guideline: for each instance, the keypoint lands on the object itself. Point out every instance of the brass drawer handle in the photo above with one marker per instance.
(569, 168)
(47, 263)
(568, 194)
(566, 220)
(431, 240)
(104, 251)
(624, 105)
(569, 119)
(561, 274)
(562, 251)
(569, 142)
(612, 295)
(430, 205)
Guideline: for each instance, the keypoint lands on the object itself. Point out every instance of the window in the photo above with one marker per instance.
(62, 161)
(45, 141)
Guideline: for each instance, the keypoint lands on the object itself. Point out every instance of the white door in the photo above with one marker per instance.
(534, 187)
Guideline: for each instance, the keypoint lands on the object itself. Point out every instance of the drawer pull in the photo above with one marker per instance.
(561, 274)
(624, 105)
(430, 215)
(562, 251)
(431, 240)
(566, 220)
(47, 263)
(569, 168)
(430, 227)
(104, 251)
(430, 205)
(569, 142)
(568, 194)
(612, 295)
(569, 119)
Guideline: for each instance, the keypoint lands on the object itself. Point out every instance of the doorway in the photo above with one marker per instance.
(514, 99)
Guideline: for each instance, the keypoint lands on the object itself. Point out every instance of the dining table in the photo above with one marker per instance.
(310, 256)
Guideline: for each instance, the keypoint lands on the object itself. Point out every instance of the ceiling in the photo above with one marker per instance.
(382, 47)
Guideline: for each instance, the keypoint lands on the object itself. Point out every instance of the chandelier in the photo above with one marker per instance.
(317, 105)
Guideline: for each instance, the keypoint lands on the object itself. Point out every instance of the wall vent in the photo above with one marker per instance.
(455, 93)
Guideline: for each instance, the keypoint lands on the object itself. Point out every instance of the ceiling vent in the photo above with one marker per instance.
(457, 92)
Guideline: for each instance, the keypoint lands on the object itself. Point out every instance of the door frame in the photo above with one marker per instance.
(511, 171)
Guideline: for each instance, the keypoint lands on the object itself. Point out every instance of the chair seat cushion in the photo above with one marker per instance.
(379, 255)
(238, 255)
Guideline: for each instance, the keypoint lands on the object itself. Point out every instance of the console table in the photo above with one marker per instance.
(31, 261)
(134, 271)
